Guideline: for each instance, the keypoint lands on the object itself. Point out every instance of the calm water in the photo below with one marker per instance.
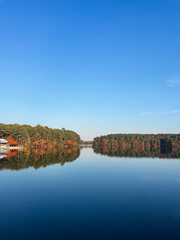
(90, 196)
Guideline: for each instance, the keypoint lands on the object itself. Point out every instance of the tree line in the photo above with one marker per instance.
(140, 142)
(38, 135)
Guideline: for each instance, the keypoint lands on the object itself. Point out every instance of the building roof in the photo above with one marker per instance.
(13, 142)
(3, 141)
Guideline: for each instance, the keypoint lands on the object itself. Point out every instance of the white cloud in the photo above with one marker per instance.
(164, 113)
(159, 113)
(145, 113)
(174, 82)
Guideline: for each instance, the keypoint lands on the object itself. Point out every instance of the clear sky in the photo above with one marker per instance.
(93, 66)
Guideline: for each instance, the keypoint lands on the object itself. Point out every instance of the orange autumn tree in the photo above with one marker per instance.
(39, 135)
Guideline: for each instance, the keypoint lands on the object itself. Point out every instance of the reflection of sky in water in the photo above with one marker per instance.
(94, 197)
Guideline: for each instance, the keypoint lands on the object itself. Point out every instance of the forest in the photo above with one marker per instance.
(38, 136)
(135, 144)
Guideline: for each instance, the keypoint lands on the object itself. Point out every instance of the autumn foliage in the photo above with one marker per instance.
(138, 143)
(39, 136)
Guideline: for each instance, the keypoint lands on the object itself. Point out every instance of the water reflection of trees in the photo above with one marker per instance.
(38, 158)
(163, 152)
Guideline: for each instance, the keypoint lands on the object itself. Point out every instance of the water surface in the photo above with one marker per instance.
(90, 196)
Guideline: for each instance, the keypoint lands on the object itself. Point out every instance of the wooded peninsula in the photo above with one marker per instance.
(138, 145)
(38, 136)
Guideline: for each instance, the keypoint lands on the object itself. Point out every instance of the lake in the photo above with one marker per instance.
(86, 195)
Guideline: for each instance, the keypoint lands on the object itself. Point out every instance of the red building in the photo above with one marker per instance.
(13, 143)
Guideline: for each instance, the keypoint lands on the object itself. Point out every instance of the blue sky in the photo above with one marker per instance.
(93, 66)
